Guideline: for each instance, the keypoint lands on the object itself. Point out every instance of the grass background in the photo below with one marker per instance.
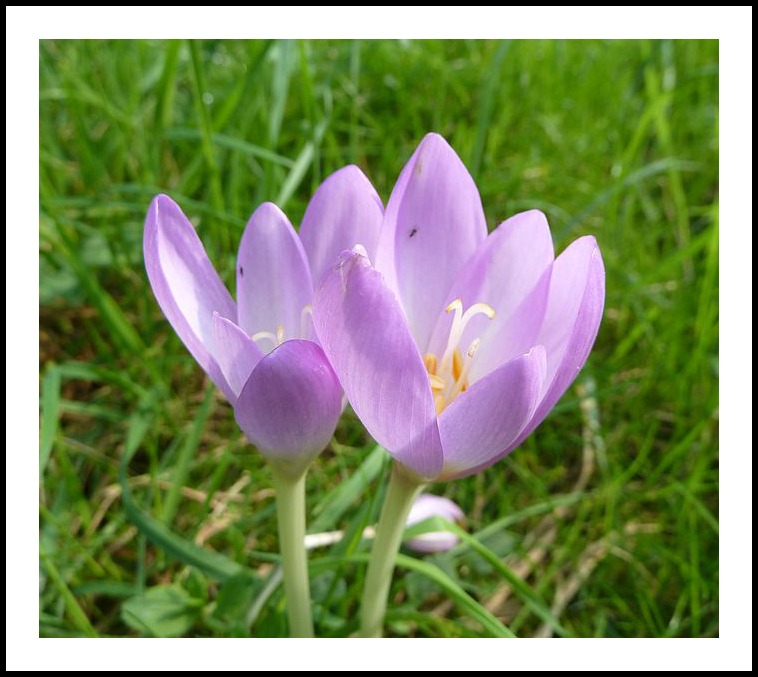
(157, 519)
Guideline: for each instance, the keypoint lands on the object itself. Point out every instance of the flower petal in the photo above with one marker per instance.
(273, 278)
(510, 273)
(436, 219)
(365, 336)
(290, 405)
(482, 423)
(184, 282)
(235, 352)
(572, 320)
(424, 507)
(506, 339)
(343, 212)
(385, 251)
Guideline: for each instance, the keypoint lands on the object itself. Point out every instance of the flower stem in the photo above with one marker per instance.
(401, 493)
(290, 512)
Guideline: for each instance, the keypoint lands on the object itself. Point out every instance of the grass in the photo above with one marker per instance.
(157, 519)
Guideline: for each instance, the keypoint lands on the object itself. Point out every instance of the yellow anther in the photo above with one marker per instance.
(454, 305)
(436, 382)
(430, 362)
(473, 347)
(481, 309)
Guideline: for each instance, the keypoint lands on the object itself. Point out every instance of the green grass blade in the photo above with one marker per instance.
(337, 502)
(463, 600)
(186, 455)
(527, 595)
(486, 105)
(214, 564)
(76, 613)
(206, 130)
(301, 166)
(51, 402)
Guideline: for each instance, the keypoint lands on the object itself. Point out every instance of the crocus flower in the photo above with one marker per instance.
(453, 345)
(424, 507)
(261, 351)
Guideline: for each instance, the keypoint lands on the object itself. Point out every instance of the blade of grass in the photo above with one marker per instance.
(530, 598)
(76, 613)
(164, 109)
(337, 502)
(458, 595)
(186, 455)
(486, 103)
(51, 400)
(214, 564)
(206, 130)
(303, 162)
(245, 89)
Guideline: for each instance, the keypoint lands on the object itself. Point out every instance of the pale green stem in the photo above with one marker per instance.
(290, 513)
(401, 493)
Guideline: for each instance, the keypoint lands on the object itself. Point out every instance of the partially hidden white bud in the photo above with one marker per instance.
(426, 506)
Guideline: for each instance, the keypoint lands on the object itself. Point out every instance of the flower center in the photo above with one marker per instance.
(448, 377)
(277, 338)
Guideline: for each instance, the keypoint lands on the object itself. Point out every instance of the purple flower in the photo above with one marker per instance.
(456, 344)
(261, 352)
(424, 507)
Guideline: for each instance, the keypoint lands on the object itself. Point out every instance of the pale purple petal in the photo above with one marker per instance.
(344, 211)
(274, 284)
(385, 251)
(366, 337)
(436, 215)
(184, 282)
(290, 405)
(235, 352)
(510, 273)
(424, 507)
(503, 341)
(575, 309)
(485, 420)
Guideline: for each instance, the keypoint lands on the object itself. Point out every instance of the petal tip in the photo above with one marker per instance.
(348, 258)
(536, 214)
(537, 352)
(161, 202)
(434, 138)
(351, 170)
(267, 209)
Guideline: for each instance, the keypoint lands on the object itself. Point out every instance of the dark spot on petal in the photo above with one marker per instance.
(417, 168)
(242, 272)
(413, 232)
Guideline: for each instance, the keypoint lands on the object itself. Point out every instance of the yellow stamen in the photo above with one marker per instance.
(457, 365)
(436, 382)
(268, 335)
(276, 338)
(448, 377)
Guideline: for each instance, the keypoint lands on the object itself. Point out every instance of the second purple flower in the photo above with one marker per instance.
(261, 351)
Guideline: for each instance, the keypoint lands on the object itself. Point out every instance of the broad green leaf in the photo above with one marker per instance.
(163, 611)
